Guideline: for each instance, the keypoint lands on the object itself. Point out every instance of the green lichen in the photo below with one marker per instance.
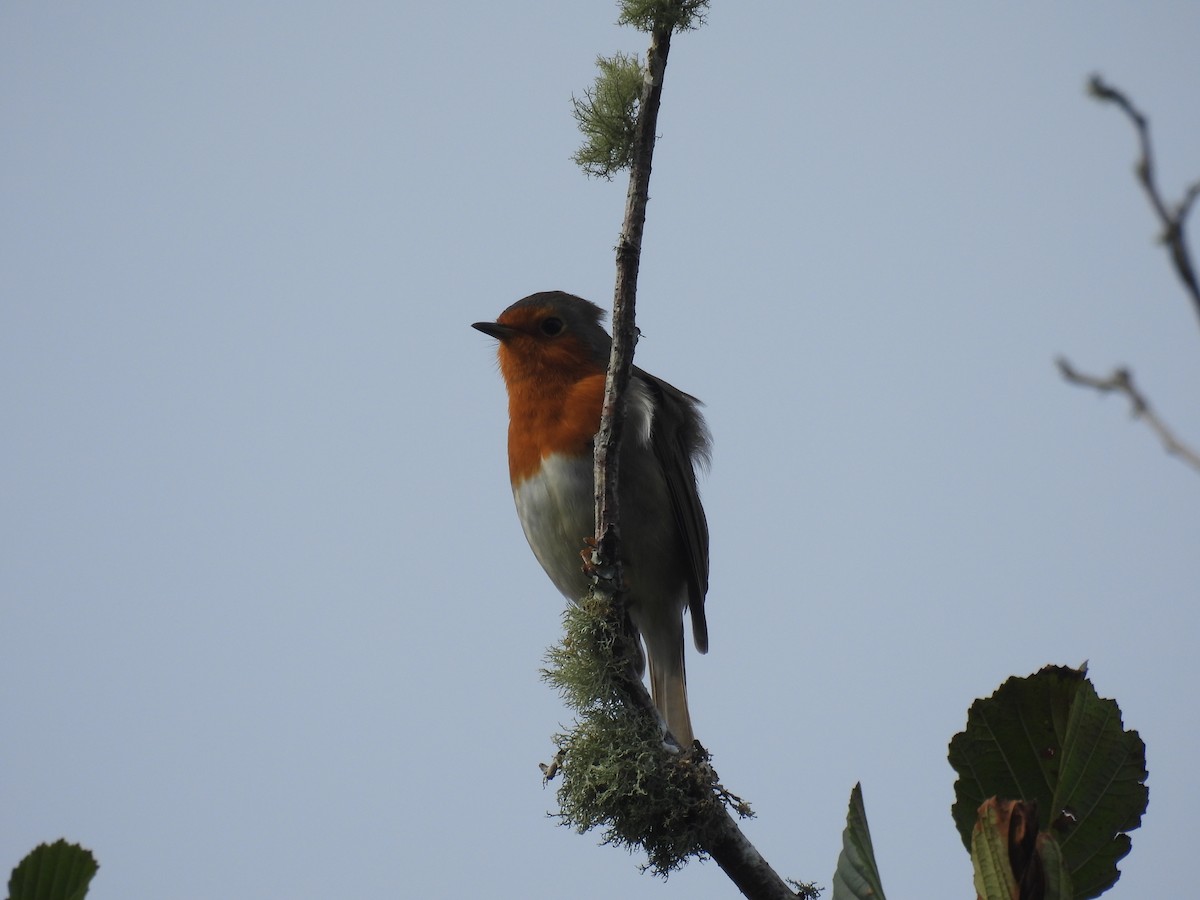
(617, 773)
(607, 116)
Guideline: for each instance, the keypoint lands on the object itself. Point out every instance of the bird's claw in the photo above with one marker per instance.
(588, 555)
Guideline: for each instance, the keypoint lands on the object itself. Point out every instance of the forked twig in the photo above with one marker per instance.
(1174, 237)
(1172, 220)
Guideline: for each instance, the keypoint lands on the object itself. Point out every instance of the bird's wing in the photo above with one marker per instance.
(680, 440)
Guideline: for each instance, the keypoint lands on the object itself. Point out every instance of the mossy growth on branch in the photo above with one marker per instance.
(678, 15)
(617, 773)
(607, 116)
(608, 112)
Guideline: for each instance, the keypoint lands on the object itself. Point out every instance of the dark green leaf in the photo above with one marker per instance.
(1058, 879)
(58, 871)
(1048, 739)
(857, 875)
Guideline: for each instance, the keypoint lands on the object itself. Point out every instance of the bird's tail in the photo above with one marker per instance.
(668, 688)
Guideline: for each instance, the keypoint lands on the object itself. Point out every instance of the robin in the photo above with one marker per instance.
(554, 356)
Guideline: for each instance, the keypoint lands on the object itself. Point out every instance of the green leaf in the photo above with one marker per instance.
(1011, 859)
(857, 875)
(58, 871)
(1049, 739)
(1058, 878)
(994, 878)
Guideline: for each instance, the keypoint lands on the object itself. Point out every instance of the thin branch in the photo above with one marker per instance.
(629, 254)
(1175, 237)
(723, 839)
(606, 558)
(1121, 382)
(1172, 220)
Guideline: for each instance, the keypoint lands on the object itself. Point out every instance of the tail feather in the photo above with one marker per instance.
(668, 688)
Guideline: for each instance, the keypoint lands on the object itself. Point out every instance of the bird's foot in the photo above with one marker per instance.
(588, 555)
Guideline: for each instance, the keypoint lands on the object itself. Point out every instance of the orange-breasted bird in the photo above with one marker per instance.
(553, 356)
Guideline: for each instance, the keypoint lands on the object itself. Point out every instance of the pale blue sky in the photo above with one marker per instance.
(271, 628)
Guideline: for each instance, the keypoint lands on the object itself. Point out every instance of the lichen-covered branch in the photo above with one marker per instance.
(617, 772)
(619, 777)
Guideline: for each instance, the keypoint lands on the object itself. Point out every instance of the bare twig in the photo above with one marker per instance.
(1174, 236)
(1121, 382)
(1172, 220)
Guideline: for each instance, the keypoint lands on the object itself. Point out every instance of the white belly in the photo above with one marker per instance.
(557, 513)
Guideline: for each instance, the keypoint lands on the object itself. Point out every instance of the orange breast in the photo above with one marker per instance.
(551, 415)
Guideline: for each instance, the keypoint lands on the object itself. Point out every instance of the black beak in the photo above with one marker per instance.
(495, 329)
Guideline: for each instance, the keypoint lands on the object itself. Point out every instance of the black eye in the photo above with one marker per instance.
(551, 326)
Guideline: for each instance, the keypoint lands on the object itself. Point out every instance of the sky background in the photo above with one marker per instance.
(270, 625)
